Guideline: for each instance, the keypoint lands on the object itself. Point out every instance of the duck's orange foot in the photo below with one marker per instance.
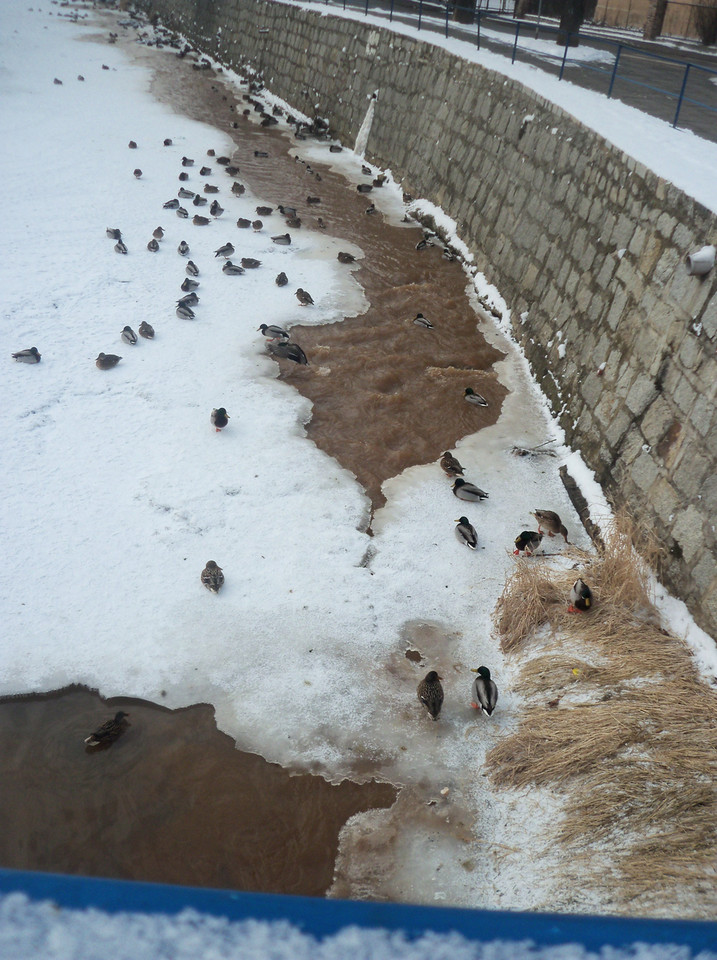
(475, 706)
(572, 609)
(517, 553)
(550, 534)
(218, 429)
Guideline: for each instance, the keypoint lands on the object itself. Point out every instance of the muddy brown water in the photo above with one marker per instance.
(173, 800)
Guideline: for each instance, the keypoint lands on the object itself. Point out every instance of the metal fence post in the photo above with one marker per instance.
(515, 42)
(614, 69)
(366, 10)
(478, 31)
(682, 93)
(565, 55)
(390, 14)
(446, 19)
(420, 12)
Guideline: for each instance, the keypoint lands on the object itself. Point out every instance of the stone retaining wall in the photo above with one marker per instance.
(585, 244)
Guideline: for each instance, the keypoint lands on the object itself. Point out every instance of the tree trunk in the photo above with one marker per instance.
(572, 14)
(655, 19)
(464, 10)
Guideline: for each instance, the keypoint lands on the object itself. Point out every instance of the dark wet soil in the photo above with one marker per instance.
(171, 801)
(387, 394)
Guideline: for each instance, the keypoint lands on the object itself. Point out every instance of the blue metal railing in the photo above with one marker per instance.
(513, 36)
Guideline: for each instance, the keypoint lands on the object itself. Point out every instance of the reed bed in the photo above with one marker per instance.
(620, 723)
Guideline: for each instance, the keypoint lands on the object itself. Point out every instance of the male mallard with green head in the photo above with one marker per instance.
(581, 597)
(485, 692)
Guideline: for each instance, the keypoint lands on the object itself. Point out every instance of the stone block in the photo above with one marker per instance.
(687, 531)
(644, 472)
(709, 317)
(704, 573)
(689, 475)
(641, 393)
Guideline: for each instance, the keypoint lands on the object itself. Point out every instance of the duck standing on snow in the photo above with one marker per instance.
(212, 576)
(475, 398)
(109, 731)
(450, 465)
(466, 532)
(27, 356)
(128, 336)
(105, 361)
(581, 597)
(551, 522)
(146, 330)
(304, 298)
(468, 491)
(272, 332)
(430, 693)
(219, 419)
(527, 542)
(485, 692)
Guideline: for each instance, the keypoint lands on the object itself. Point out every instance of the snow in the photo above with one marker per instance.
(29, 930)
(117, 490)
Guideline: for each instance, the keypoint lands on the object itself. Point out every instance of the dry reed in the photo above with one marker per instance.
(636, 756)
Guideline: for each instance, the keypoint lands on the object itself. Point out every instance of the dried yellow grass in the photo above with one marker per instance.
(626, 729)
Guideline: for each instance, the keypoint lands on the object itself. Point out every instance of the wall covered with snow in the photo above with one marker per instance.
(586, 245)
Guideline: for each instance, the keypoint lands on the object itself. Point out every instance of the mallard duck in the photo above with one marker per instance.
(232, 269)
(187, 162)
(109, 731)
(212, 576)
(581, 597)
(304, 298)
(281, 279)
(238, 188)
(475, 398)
(257, 225)
(137, 173)
(365, 187)
(527, 542)
(199, 200)
(120, 247)
(466, 532)
(243, 223)
(287, 211)
(219, 419)
(200, 221)
(468, 491)
(249, 263)
(485, 692)
(551, 522)
(186, 194)
(210, 188)
(105, 361)
(264, 211)
(183, 248)
(272, 332)
(27, 356)
(422, 321)
(430, 693)
(146, 330)
(158, 233)
(192, 270)
(128, 336)
(450, 465)
(293, 222)
(172, 204)
(114, 233)
(205, 171)
(184, 312)
(189, 300)
(153, 245)
(287, 350)
(344, 257)
(216, 209)
(283, 239)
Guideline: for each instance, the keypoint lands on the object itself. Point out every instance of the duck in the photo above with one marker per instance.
(485, 692)
(171, 204)
(31, 355)
(422, 321)
(249, 263)
(287, 211)
(212, 576)
(288, 350)
(105, 361)
(468, 491)
(450, 465)
(183, 248)
(182, 213)
(184, 312)
(552, 523)
(243, 223)
(304, 298)
(283, 240)
(281, 279)
(158, 233)
(199, 201)
(153, 245)
(264, 211)
(187, 162)
(527, 542)
(232, 269)
(128, 336)
(192, 270)
(120, 247)
(475, 398)
(200, 221)
(344, 257)
(226, 250)
(189, 299)
(114, 233)
(219, 418)
(466, 532)
(216, 209)
(293, 222)
(137, 173)
(185, 193)
(205, 171)
(272, 332)
(109, 731)
(238, 188)
(430, 693)
(257, 225)
(581, 597)
(365, 187)
(210, 188)
(146, 330)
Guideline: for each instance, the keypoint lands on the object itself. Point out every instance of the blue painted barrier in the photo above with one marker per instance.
(322, 918)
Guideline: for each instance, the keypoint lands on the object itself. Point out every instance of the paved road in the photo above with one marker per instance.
(641, 80)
